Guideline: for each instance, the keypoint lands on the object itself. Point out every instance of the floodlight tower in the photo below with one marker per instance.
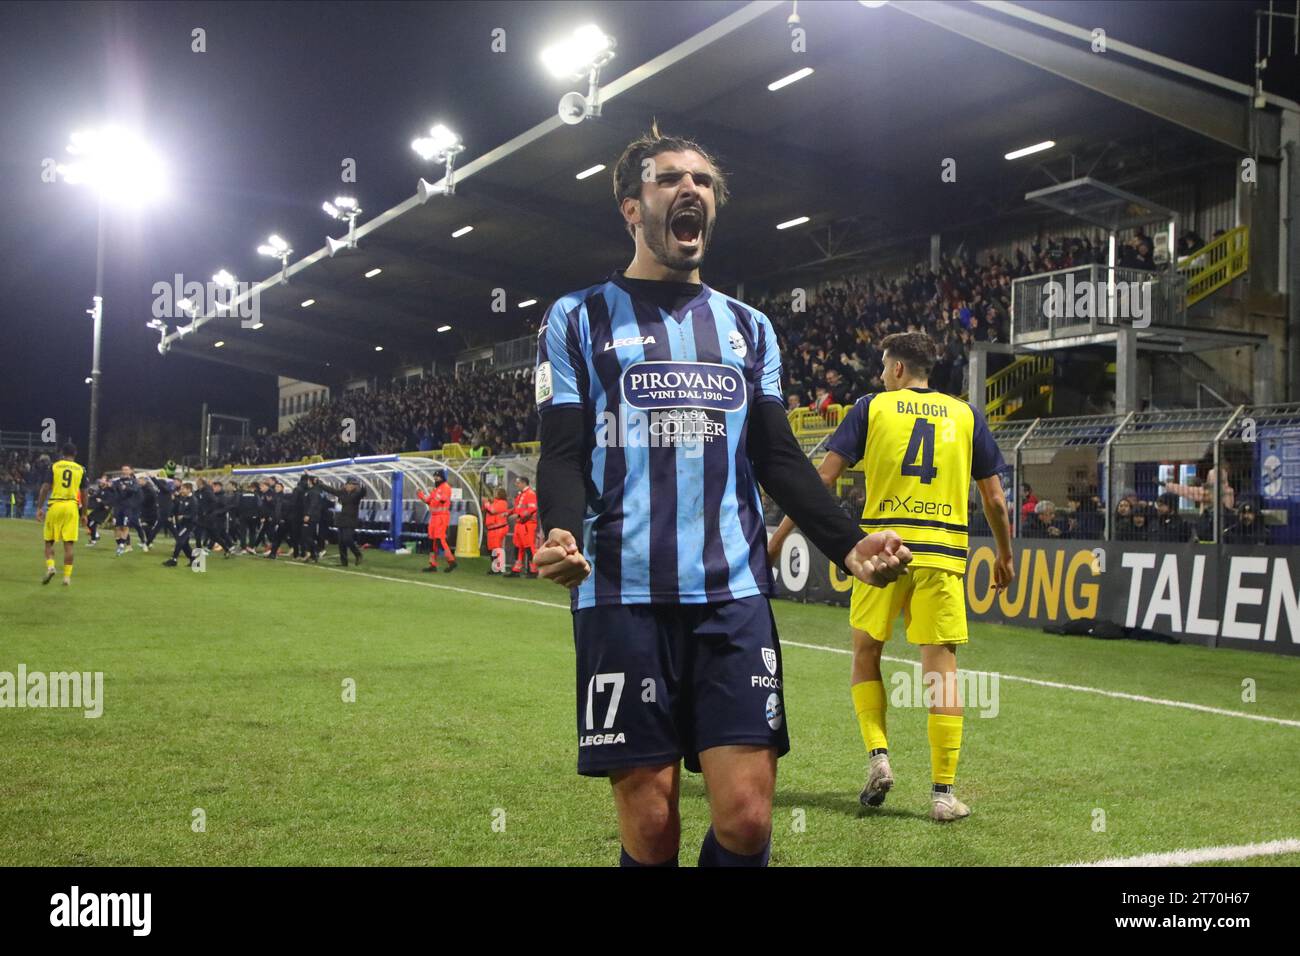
(122, 170)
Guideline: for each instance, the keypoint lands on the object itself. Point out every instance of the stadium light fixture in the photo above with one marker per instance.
(442, 146)
(790, 223)
(873, 4)
(444, 328)
(379, 348)
(794, 77)
(1030, 150)
(590, 171)
(526, 303)
(462, 231)
(218, 344)
(373, 272)
(117, 164)
(224, 282)
(344, 209)
(582, 54)
(307, 302)
(277, 248)
(123, 170)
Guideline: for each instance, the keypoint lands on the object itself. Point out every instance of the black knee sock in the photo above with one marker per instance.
(625, 859)
(713, 853)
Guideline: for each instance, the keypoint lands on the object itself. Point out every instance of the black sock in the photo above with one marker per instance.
(713, 853)
(941, 788)
(625, 859)
(879, 750)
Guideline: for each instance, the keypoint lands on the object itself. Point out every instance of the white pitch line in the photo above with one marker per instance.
(1056, 685)
(1209, 854)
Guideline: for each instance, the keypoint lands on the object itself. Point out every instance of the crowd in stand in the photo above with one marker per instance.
(830, 341)
(481, 409)
(20, 480)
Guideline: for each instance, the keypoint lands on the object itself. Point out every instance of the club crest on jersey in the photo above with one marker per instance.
(653, 385)
(737, 343)
(629, 340)
(769, 660)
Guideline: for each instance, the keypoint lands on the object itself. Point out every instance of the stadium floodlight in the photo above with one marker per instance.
(462, 231)
(444, 328)
(225, 282)
(277, 248)
(789, 223)
(345, 209)
(441, 146)
(582, 54)
(794, 77)
(307, 302)
(1030, 150)
(117, 164)
(590, 171)
(526, 303)
(123, 170)
(873, 4)
(373, 272)
(379, 348)
(89, 380)
(218, 344)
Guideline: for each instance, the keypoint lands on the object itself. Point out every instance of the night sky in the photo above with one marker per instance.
(254, 130)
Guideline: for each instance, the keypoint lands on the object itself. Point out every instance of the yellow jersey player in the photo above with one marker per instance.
(920, 449)
(62, 489)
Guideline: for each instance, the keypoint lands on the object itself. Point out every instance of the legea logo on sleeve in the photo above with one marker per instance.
(655, 385)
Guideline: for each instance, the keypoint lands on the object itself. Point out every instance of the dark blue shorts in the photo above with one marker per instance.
(661, 682)
(125, 517)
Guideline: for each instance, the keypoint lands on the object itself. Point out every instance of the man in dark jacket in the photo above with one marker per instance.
(313, 504)
(282, 521)
(349, 498)
(249, 510)
(183, 515)
(218, 510)
(1167, 525)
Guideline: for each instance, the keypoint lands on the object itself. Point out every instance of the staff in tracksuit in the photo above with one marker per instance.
(313, 504)
(166, 492)
(218, 510)
(349, 497)
(148, 511)
(248, 509)
(265, 513)
(99, 508)
(184, 510)
(282, 522)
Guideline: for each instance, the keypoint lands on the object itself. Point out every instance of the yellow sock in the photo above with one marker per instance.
(869, 705)
(945, 746)
(49, 564)
(67, 570)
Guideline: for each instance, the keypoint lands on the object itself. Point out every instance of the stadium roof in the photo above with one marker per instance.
(895, 92)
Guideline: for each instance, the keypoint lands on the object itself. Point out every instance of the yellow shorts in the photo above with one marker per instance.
(932, 601)
(62, 521)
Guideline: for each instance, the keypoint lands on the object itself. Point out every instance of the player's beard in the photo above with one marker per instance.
(662, 244)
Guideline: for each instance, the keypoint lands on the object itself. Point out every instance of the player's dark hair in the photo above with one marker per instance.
(69, 450)
(914, 349)
(628, 169)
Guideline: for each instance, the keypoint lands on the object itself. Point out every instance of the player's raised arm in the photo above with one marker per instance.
(829, 470)
(790, 478)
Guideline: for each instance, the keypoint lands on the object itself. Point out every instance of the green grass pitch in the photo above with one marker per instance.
(224, 692)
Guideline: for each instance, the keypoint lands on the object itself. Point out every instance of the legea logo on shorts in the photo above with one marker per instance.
(656, 385)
